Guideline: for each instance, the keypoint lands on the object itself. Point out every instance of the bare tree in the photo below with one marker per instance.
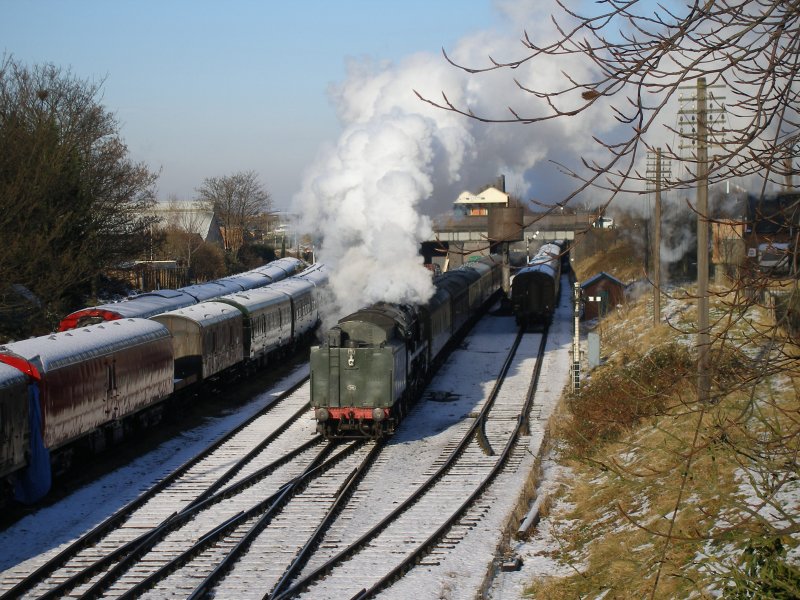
(237, 200)
(73, 203)
(749, 47)
(740, 60)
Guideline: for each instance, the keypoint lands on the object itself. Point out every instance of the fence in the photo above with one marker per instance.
(149, 276)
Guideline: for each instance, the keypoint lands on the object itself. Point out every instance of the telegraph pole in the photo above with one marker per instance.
(700, 141)
(659, 168)
(703, 337)
(576, 337)
(657, 246)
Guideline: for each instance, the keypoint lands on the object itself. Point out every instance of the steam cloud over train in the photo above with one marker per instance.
(81, 384)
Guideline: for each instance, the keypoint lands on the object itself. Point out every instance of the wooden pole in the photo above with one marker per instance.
(657, 246)
(703, 337)
(576, 339)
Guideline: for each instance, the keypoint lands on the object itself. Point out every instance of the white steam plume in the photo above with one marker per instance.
(363, 195)
(399, 158)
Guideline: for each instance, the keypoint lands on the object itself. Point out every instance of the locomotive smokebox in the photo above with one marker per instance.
(506, 224)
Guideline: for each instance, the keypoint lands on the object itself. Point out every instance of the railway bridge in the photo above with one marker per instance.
(455, 239)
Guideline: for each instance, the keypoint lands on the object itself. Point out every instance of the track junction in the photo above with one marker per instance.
(276, 512)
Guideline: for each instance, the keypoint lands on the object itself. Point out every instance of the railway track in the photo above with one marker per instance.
(252, 451)
(273, 511)
(434, 516)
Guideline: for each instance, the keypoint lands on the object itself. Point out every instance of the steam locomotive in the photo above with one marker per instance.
(375, 361)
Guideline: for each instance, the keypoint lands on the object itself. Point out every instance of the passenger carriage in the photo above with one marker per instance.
(92, 376)
(206, 339)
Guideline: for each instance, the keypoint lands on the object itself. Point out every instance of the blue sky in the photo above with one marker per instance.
(210, 88)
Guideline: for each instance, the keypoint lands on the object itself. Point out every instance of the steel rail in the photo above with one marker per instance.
(436, 536)
(343, 495)
(316, 468)
(110, 523)
(367, 537)
(125, 556)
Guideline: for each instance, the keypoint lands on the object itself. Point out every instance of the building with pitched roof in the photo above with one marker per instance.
(192, 217)
(601, 293)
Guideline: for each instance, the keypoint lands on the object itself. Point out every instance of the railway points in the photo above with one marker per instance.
(443, 416)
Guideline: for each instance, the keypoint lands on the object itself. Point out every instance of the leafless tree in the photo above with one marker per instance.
(73, 203)
(237, 200)
(738, 60)
(641, 60)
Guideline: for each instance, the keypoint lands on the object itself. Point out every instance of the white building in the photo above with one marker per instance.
(190, 216)
(477, 205)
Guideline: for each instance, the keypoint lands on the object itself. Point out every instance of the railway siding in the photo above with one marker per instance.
(471, 565)
(460, 559)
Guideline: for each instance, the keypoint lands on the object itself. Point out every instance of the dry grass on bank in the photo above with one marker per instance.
(611, 251)
(669, 498)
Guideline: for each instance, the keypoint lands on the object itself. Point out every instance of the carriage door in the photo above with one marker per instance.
(112, 393)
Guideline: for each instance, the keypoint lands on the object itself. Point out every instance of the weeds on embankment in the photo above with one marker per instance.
(669, 497)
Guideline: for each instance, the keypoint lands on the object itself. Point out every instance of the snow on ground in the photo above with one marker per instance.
(52, 528)
(534, 553)
(462, 572)
(537, 553)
